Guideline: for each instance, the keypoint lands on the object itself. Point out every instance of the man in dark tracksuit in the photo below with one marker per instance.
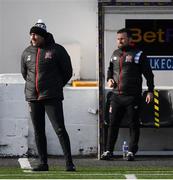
(125, 72)
(46, 68)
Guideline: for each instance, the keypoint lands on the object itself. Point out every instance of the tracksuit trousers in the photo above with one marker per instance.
(54, 110)
(120, 105)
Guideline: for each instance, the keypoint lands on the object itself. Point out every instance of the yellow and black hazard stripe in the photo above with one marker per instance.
(156, 109)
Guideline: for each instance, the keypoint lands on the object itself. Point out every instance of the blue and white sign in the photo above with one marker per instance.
(161, 62)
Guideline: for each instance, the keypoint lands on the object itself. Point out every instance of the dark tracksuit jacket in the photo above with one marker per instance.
(46, 70)
(126, 68)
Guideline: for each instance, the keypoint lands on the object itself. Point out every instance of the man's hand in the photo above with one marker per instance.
(111, 83)
(149, 97)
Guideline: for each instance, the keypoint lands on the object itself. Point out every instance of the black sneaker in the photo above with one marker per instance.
(107, 155)
(70, 167)
(41, 167)
(130, 156)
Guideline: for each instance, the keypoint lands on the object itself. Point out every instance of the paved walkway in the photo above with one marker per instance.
(140, 161)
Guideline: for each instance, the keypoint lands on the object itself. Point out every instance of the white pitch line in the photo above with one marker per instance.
(24, 163)
(130, 176)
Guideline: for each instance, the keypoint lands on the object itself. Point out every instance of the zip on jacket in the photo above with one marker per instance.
(37, 71)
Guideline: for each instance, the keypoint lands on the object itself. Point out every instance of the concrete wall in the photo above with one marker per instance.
(1, 29)
(13, 120)
(81, 124)
(16, 130)
(81, 119)
(70, 21)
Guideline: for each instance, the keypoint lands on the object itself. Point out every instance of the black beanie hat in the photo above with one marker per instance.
(39, 28)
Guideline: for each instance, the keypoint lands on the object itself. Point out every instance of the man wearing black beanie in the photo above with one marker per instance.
(39, 28)
(46, 68)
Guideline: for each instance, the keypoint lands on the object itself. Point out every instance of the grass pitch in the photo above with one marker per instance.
(57, 172)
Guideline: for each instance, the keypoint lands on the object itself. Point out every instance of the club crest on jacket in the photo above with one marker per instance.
(48, 55)
(128, 58)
